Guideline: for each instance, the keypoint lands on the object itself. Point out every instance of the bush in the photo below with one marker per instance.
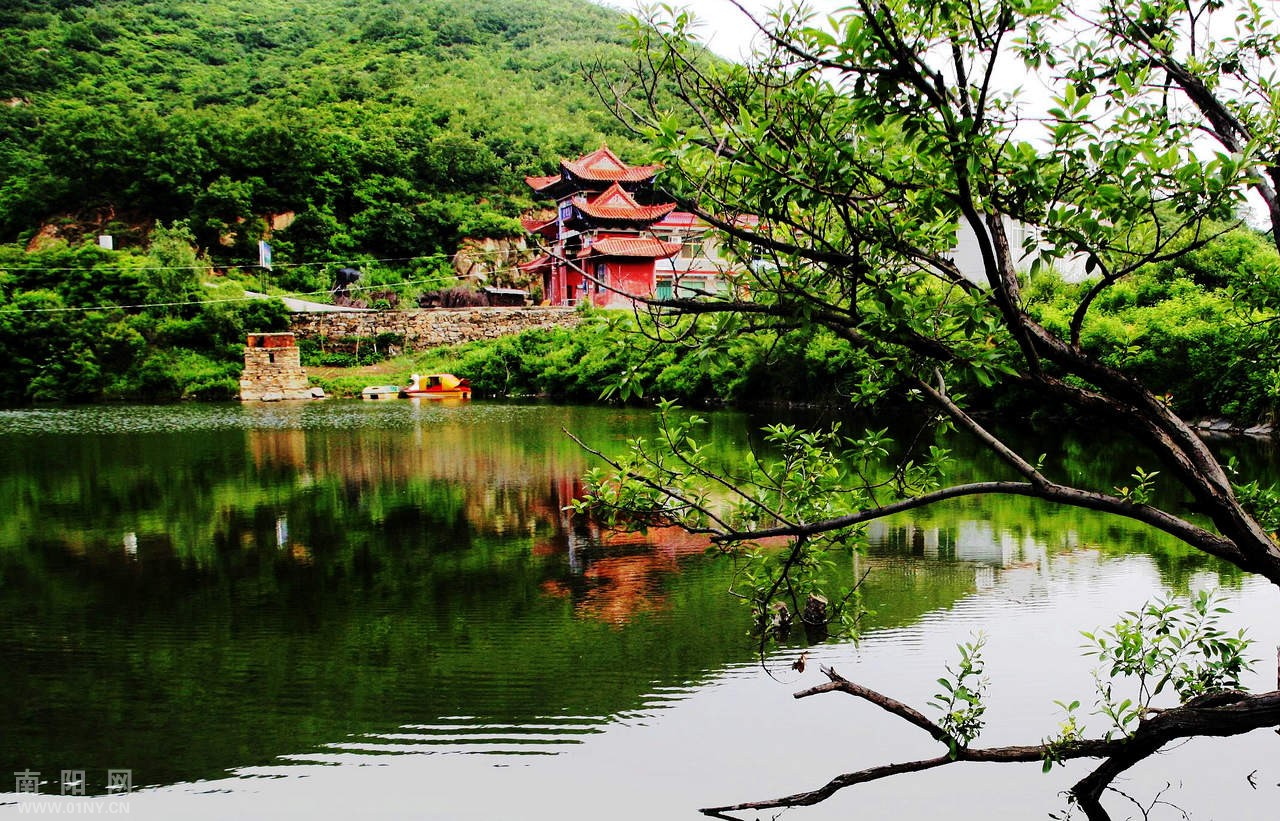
(1198, 328)
(213, 389)
(588, 362)
(129, 353)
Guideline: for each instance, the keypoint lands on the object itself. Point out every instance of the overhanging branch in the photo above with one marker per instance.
(1220, 714)
(1203, 539)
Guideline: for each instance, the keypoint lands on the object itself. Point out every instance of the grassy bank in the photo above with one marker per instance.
(611, 356)
(1199, 330)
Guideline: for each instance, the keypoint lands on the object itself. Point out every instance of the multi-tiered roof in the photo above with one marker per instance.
(608, 225)
(595, 171)
(598, 192)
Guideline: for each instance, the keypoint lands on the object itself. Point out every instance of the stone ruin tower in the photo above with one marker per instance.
(273, 370)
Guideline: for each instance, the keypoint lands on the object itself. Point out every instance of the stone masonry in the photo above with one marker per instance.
(430, 328)
(273, 370)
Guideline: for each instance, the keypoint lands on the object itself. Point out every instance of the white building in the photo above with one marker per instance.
(968, 258)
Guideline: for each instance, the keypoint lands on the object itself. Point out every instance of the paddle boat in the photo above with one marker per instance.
(380, 392)
(437, 386)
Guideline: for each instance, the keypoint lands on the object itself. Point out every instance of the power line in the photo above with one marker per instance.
(41, 268)
(294, 295)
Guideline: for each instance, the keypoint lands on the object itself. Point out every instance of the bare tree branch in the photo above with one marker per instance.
(1225, 714)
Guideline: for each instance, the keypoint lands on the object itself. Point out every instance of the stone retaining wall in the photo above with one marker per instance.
(433, 327)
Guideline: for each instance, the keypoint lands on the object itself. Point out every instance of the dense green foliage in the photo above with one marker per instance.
(391, 130)
(1199, 329)
(599, 357)
(388, 132)
(189, 343)
(349, 351)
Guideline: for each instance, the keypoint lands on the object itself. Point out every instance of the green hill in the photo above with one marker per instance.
(391, 129)
(374, 133)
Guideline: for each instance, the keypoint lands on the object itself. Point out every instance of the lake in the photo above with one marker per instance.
(338, 609)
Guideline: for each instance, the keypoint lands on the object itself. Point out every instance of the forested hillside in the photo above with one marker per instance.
(390, 128)
(371, 133)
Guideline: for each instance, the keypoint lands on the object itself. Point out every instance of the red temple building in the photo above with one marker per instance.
(611, 237)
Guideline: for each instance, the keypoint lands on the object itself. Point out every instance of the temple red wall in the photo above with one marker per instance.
(632, 277)
(558, 292)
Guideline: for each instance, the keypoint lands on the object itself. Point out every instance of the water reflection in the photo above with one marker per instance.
(192, 592)
(616, 576)
(218, 597)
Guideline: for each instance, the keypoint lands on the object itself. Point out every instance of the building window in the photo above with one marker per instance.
(602, 276)
(697, 286)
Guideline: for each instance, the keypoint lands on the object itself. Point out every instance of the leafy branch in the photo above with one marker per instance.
(1165, 643)
(961, 698)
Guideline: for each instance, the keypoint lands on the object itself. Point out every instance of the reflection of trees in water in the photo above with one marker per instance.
(278, 448)
(212, 499)
(310, 584)
(486, 453)
(929, 561)
(1016, 533)
(501, 484)
(489, 484)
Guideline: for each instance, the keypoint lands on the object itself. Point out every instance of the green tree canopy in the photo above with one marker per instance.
(216, 111)
(842, 162)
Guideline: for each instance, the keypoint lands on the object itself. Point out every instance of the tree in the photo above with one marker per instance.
(840, 162)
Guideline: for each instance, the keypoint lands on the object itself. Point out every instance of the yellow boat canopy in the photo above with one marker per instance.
(434, 381)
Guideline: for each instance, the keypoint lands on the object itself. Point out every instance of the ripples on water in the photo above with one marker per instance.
(471, 735)
(403, 623)
(111, 419)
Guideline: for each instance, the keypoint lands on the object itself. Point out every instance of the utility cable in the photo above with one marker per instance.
(245, 266)
(295, 295)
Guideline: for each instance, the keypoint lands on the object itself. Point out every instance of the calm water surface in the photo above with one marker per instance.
(342, 610)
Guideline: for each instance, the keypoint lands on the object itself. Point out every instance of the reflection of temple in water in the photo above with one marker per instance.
(502, 484)
(497, 485)
(500, 489)
(614, 575)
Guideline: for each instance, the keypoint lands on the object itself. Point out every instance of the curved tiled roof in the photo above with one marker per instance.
(535, 224)
(534, 264)
(617, 204)
(602, 165)
(641, 247)
(539, 183)
(681, 219)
